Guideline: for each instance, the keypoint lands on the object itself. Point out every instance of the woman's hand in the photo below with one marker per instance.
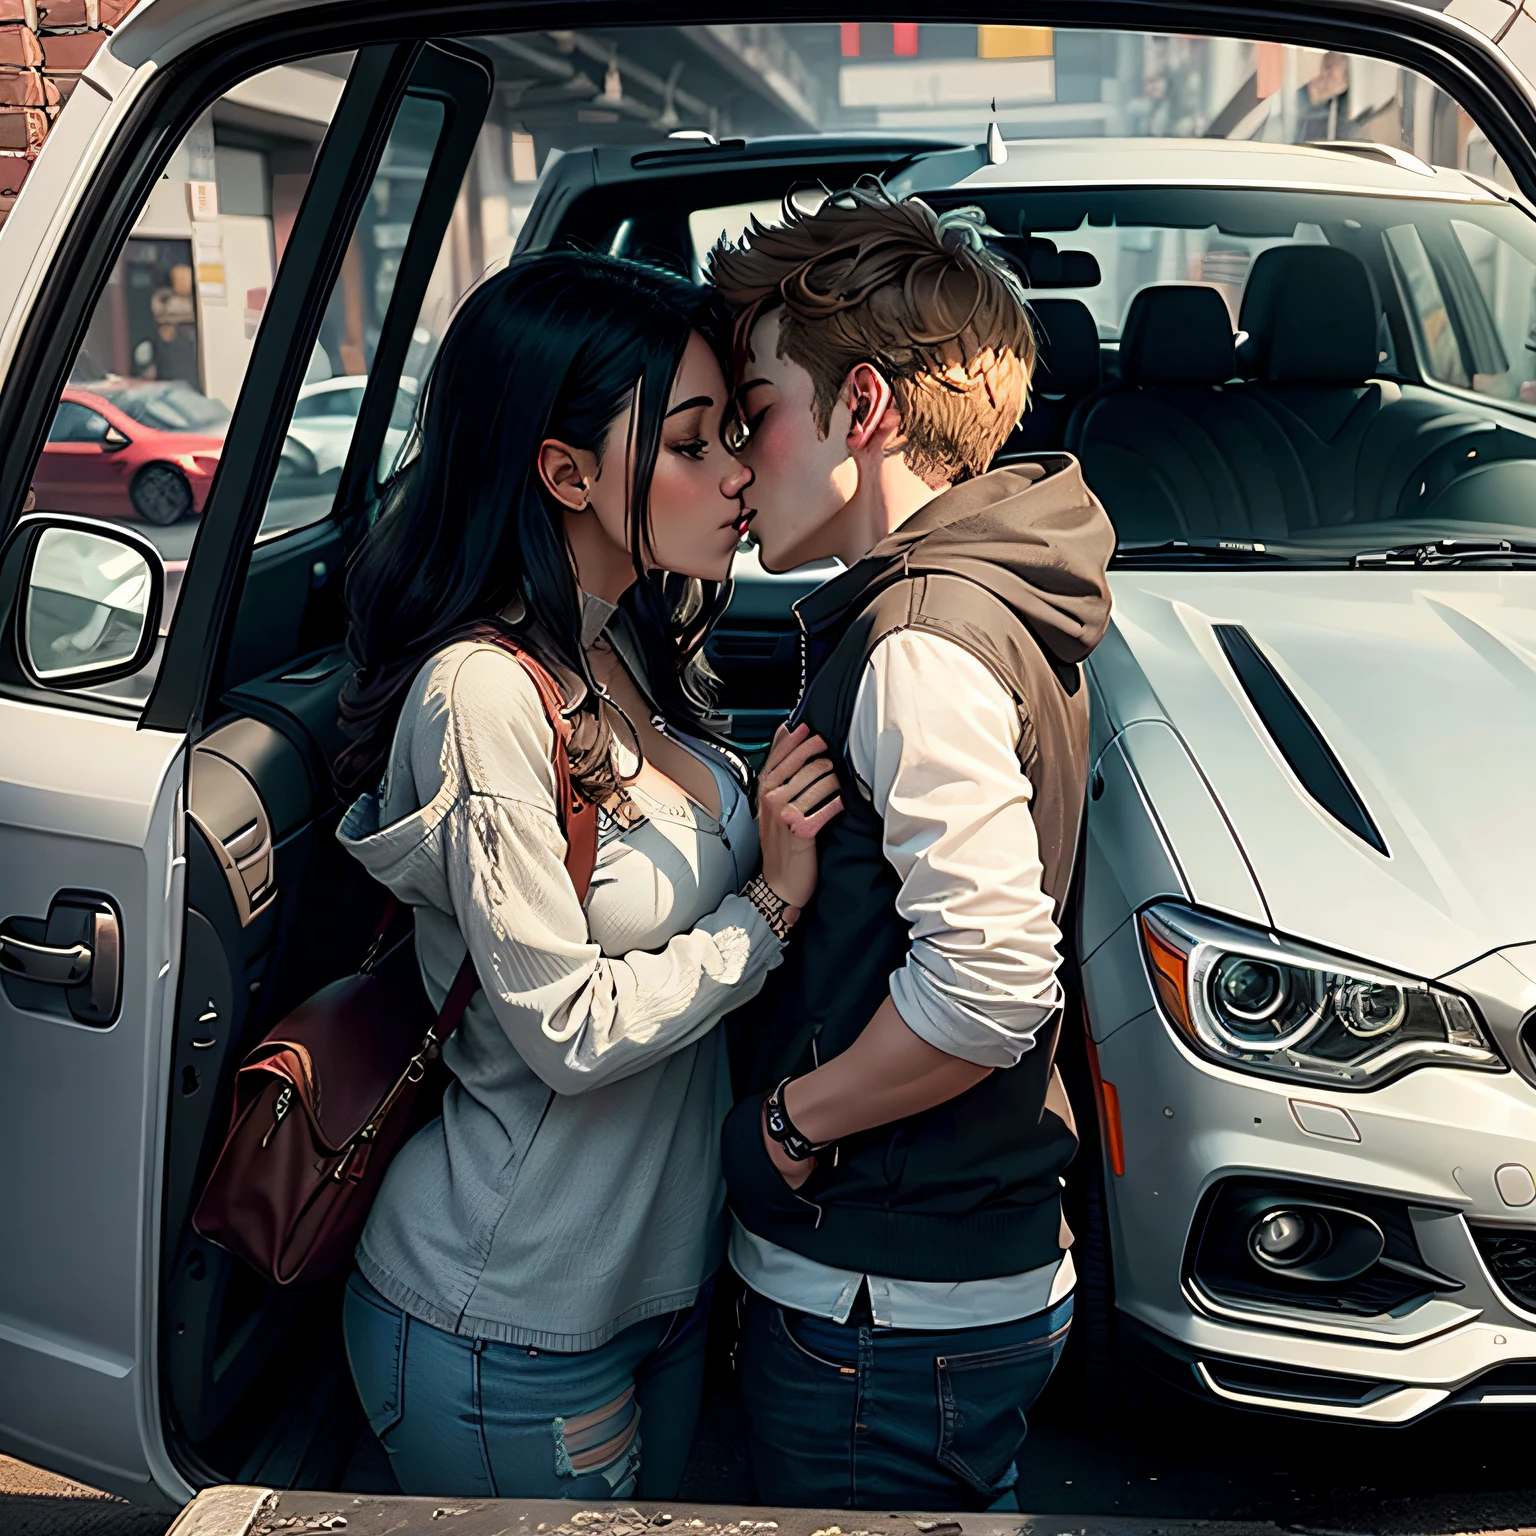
(796, 797)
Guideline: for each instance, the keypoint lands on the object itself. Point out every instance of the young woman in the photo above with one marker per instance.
(528, 1312)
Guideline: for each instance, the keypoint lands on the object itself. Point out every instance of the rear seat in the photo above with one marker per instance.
(1172, 448)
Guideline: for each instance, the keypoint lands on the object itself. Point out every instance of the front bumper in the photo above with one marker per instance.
(1443, 1147)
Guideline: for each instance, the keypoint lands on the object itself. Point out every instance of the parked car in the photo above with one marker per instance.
(1305, 935)
(125, 448)
(1306, 925)
(129, 449)
(325, 417)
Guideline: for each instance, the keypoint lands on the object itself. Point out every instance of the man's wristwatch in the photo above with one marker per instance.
(782, 1129)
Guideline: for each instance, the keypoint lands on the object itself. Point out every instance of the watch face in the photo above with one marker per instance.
(776, 1126)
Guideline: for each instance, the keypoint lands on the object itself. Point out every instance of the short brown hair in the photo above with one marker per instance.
(868, 279)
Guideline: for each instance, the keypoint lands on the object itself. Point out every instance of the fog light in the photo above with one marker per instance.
(1284, 1239)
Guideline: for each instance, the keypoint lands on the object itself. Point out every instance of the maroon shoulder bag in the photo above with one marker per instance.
(323, 1102)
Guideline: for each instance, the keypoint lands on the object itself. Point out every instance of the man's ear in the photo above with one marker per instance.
(872, 407)
(567, 473)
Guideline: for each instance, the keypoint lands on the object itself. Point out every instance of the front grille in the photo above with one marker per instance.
(1511, 1260)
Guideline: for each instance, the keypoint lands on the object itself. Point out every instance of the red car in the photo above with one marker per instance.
(131, 447)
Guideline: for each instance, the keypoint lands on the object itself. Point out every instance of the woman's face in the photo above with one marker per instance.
(697, 516)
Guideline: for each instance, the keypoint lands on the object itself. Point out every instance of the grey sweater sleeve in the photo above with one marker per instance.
(576, 1017)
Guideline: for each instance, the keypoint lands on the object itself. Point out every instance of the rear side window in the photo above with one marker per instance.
(76, 423)
(1506, 292)
(1425, 301)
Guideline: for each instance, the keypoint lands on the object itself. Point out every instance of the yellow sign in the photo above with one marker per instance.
(995, 42)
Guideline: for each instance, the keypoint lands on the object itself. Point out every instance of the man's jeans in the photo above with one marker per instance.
(467, 1418)
(847, 1415)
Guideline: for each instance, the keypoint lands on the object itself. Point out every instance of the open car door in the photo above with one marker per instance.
(98, 714)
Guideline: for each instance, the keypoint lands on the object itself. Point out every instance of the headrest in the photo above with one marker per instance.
(1040, 265)
(1310, 316)
(1177, 333)
(1067, 362)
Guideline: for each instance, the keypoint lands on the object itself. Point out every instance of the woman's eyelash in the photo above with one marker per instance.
(695, 447)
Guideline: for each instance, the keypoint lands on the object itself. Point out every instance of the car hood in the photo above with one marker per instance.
(1423, 684)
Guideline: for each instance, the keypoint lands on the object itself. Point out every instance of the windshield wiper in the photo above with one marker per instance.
(1448, 552)
(1205, 551)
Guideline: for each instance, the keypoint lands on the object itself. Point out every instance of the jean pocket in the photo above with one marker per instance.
(374, 1332)
(982, 1400)
(783, 1326)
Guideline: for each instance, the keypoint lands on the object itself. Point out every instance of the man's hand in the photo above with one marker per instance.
(794, 1174)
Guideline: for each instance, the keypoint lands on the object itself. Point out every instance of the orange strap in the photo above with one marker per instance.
(578, 817)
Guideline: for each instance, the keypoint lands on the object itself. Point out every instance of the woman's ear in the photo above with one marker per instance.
(567, 473)
(871, 406)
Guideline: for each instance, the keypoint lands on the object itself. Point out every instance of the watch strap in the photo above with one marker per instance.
(782, 1129)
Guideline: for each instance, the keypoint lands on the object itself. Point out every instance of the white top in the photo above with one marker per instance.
(933, 744)
(572, 1184)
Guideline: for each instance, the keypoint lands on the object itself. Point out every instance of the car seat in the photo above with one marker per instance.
(1312, 320)
(1066, 369)
(1171, 448)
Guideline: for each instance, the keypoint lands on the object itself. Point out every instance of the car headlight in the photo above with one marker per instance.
(1250, 1000)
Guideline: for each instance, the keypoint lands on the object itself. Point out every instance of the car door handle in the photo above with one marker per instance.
(77, 948)
(60, 965)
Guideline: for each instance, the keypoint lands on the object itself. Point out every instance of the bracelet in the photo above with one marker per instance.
(770, 904)
(782, 1129)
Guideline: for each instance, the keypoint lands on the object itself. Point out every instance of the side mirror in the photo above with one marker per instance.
(87, 602)
(113, 440)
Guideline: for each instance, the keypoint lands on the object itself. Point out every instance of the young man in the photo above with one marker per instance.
(895, 1172)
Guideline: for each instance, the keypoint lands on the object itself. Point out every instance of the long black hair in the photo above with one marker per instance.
(556, 345)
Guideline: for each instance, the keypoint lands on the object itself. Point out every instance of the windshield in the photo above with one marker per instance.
(170, 407)
(1430, 434)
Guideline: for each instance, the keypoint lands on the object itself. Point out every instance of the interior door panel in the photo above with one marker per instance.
(274, 908)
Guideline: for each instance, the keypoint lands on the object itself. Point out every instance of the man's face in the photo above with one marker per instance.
(802, 479)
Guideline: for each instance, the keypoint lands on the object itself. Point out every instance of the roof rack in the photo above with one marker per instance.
(1374, 151)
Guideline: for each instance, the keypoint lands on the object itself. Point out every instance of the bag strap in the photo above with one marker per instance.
(578, 819)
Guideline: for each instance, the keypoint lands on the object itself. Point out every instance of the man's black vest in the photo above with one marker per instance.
(971, 1188)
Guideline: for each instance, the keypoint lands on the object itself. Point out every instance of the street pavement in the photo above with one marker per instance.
(36, 1503)
(1181, 1469)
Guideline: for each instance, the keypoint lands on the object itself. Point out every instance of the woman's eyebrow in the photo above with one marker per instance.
(689, 405)
(741, 389)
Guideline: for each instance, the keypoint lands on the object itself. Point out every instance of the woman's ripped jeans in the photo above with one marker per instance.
(470, 1418)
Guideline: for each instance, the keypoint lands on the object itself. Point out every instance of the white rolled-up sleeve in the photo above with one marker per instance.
(933, 741)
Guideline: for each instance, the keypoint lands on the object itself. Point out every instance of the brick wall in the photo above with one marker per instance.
(44, 45)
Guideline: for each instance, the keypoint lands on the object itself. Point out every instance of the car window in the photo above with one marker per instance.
(171, 335)
(171, 407)
(76, 423)
(1424, 300)
(355, 313)
(1506, 286)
